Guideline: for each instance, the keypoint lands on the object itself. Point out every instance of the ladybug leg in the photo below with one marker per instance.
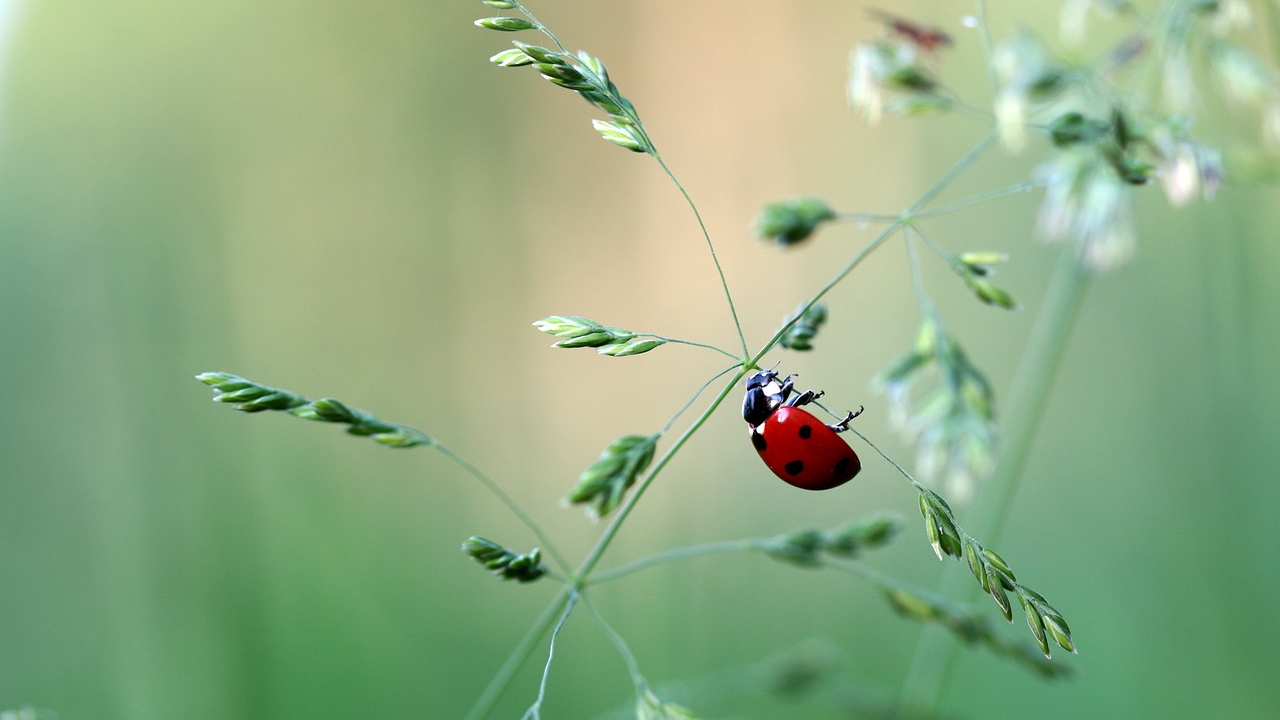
(844, 424)
(804, 398)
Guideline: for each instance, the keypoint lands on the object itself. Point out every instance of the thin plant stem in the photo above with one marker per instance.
(535, 710)
(935, 654)
(984, 32)
(863, 572)
(967, 109)
(695, 397)
(579, 579)
(879, 240)
(901, 470)
(484, 704)
(980, 198)
(733, 310)
(917, 272)
(506, 500)
(933, 246)
(867, 218)
(962, 165)
(541, 28)
(678, 341)
(681, 553)
(633, 666)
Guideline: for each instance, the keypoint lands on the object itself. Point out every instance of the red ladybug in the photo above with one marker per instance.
(793, 443)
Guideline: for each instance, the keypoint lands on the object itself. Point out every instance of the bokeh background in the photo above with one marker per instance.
(346, 199)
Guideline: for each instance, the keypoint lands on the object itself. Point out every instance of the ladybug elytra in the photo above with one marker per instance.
(798, 447)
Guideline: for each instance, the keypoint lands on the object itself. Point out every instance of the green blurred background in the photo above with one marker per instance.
(346, 199)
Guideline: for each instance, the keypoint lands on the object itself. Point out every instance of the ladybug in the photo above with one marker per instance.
(794, 444)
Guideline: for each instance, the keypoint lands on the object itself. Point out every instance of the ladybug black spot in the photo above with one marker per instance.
(805, 432)
(757, 439)
(841, 466)
(795, 467)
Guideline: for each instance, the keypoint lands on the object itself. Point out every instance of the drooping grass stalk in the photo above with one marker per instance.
(653, 151)
(935, 656)
(248, 396)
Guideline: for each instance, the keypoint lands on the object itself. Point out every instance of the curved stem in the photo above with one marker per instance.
(633, 666)
(506, 499)
(695, 397)
(535, 710)
(541, 28)
(733, 310)
(484, 704)
(678, 341)
(901, 470)
(691, 551)
(967, 109)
